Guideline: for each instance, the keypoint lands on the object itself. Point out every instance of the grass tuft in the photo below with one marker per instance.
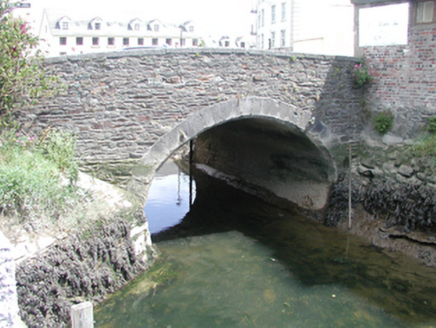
(37, 176)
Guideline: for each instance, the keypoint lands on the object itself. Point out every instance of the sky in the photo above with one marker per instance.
(213, 17)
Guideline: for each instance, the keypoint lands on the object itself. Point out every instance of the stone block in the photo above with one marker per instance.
(82, 315)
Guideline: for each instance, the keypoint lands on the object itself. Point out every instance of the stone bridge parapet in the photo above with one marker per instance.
(120, 104)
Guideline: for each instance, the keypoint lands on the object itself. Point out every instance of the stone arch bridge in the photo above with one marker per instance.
(266, 119)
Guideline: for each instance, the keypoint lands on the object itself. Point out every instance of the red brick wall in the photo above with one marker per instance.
(405, 79)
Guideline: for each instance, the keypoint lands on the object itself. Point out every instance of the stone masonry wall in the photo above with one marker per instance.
(404, 79)
(119, 104)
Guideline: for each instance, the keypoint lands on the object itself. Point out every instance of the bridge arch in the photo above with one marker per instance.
(294, 165)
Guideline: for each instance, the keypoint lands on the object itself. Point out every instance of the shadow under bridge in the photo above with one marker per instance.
(258, 145)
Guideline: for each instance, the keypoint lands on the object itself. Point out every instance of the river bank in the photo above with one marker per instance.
(100, 247)
(393, 199)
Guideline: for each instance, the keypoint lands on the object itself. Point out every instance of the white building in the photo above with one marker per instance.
(306, 26)
(62, 34)
(70, 32)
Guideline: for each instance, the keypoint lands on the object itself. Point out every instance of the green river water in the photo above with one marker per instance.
(234, 261)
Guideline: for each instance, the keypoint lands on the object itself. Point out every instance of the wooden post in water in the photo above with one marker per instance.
(82, 315)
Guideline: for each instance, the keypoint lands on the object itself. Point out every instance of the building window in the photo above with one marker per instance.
(283, 11)
(95, 41)
(169, 41)
(62, 53)
(262, 42)
(273, 14)
(283, 38)
(79, 41)
(125, 41)
(98, 26)
(140, 41)
(273, 40)
(65, 25)
(137, 26)
(155, 42)
(195, 42)
(156, 28)
(227, 44)
(63, 41)
(425, 12)
(183, 42)
(262, 17)
(110, 41)
(242, 44)
(191, 29)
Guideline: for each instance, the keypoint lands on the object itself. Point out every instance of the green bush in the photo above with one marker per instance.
(361, 75)
(383, 122)
(22, 77)
(30, 176)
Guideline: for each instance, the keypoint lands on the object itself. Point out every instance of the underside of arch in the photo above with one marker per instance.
(261, 145)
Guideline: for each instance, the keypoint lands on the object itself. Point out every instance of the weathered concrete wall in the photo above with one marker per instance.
(120, 104)
(8, 292)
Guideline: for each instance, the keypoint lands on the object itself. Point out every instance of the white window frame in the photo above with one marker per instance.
(284, 8)
(273, 14)
(425, 12)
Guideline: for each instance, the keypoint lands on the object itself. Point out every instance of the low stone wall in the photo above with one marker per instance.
(8, 293)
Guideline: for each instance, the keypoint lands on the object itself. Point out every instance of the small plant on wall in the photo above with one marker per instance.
(383, 122)
(431, 125)
(361, 75)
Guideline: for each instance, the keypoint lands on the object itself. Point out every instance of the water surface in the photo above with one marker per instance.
(234, 261)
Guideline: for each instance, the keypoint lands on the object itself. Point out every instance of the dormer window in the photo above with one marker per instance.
(156, 27)
(134, 25)
(63, 23)
(95, 24)
(191, 28)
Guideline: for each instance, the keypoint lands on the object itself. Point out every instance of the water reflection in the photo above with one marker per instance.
(239, 262)
(169, 197)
